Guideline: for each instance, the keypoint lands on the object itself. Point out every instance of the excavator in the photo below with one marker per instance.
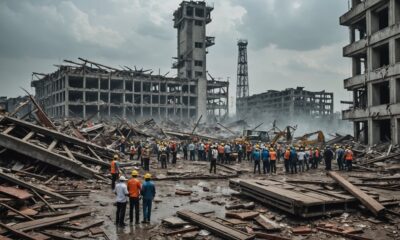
(306, 139)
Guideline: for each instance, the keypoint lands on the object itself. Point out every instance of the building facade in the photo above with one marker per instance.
(87, 88)
(289, 103)
(374, 49)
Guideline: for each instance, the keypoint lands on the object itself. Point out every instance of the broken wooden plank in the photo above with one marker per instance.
(41, 154)
(374, 206)
(65, 206)
(80, 234)
(16, 211)
(17, 232)
(15, 192)
(29, 174)
(347, 235)
(50, 179)
(174, 222)
(216, 228)
(44, 222)
(38, 188)
(261, 235)
(43, 200)
(96, 231)
(52, 145)
(267, 223)
(183, 230)
(242, 215)
(83, 227)
(249, 205)
(56, 235)
(28, 136)
(301, 230)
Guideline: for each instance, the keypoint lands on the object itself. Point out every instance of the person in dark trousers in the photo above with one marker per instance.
(146, 158)
(148, 193)
(286, 160)
(114, 171)
(265, 159)
(163, 156)
(328, 156)
(239, 149)
(213, 159)
(134, 187)
(316, 158)
(185, 151)
(192, 151)
(121, 191)
(122, 145)
(174, 151)
(348, 157)
(293, 161)
(340, 157)
(256, 157)
(272, 159)
(139, 151)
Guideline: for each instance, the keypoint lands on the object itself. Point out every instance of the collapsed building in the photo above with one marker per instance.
(89, 89)
(375, 83)
(291, 102)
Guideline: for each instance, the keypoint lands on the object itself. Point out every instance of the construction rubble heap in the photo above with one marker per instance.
(55, 183)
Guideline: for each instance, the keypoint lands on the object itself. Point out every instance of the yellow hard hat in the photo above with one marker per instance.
(116, 156)
(134, 173)
(147, 176)
(271, 149)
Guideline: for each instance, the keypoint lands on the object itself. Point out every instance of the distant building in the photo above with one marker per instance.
(92, 89)
(10, 104)
(375, 82)
(289, 103)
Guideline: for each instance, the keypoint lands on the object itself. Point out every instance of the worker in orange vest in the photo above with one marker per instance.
(348, 157)
(114, 170)
(249, 150)
(134, 187)
(272, 160)
(286, 157)
(221, 151)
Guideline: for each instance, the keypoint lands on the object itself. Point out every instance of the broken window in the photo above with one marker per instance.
(380, 19)
(384, 130)
(397, 90)
(380, 56)
(76, 111)
(91, 96)
(128, 98)
(360, 98)
(75, 82)
(104, 97)
(361, 131)
(129, 86)
(104, 84)
(380, 93)
(116, 98)
(199, 12)
(189, 11)
(198, 63)
(75, 96)
(198, 74)
(198, 45)
(92, 83)
(116, 85)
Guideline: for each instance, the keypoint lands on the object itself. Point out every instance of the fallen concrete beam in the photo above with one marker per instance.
(41, 154)
(216, 228)
(42, 190)
(374, 206)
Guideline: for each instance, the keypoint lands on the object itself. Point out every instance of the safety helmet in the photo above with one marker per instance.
(122, 178)
(147, 176)
(134, 173)
(116, 156)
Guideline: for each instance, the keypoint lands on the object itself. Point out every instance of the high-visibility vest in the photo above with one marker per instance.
(221, 149)
(113, 167)
(287, 155)
(349, 155)
(272, 155)
(134, 187)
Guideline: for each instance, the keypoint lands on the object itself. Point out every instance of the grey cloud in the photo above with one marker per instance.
(277, 22)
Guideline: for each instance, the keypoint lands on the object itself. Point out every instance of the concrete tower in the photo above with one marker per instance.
(242, 89)
(190, 19)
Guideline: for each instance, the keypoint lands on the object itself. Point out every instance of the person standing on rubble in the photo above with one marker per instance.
(316, 158)
(132, 151)
(340, 157)
(348, 157)
(213, 159)
(239, 149)
(221, 151)
(307, 158)
(286, 160)
(249, 150)
(148, 192)
(163, 156)
(191, 148)
(146, 157)
(201, 151)
(301, 158)
(134, 187)
(185, 151)
(293, 161)
(139, 152)
(256, 157)
(121, 191)
(122, 145)
(174, 151)
(228, 152)
(265, 160)
(328, 156)
(273, 156)
(114, 170)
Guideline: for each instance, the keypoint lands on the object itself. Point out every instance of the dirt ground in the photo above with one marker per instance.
(219, 194)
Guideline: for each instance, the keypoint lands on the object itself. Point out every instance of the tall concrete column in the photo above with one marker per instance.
(66, 102)
(202, 98)
(373, 132)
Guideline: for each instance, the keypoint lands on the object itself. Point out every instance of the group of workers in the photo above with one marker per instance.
(131, 190)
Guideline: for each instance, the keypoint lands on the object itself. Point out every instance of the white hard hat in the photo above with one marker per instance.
(122, 178)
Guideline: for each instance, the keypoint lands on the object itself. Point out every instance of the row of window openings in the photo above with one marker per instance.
(380, 94)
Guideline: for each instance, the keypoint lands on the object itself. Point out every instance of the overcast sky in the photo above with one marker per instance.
(291, 42)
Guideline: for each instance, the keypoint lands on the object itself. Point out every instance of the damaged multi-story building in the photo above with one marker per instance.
(375, 82)
(88, 89)
(290, 103)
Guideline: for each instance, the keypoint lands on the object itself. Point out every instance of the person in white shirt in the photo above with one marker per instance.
(121, 192)
(300, 157)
